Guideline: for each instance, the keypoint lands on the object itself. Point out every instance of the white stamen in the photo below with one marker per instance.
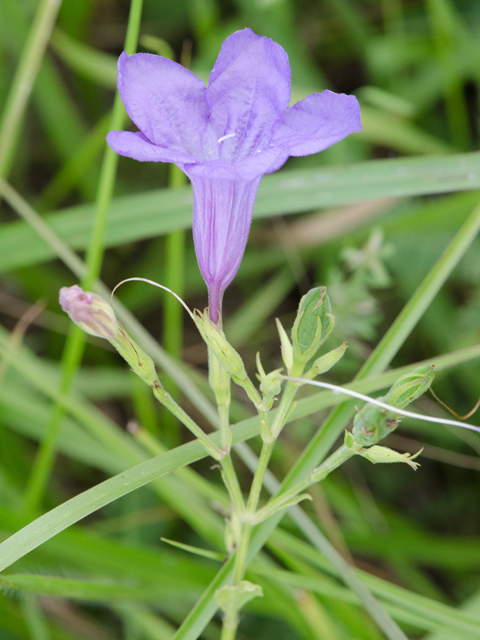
(229, 135)
(383, 405)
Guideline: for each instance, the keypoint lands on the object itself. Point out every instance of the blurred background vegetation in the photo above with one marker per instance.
(415, 67)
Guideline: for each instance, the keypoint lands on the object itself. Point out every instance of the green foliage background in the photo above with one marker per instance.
(369, 218)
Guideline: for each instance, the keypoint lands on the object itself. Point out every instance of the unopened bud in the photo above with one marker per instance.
(90, 312)
(373, 423)
(411, 386)
(313, 324)
(95, 316)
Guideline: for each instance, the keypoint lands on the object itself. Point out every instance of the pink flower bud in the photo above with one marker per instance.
(90, 312)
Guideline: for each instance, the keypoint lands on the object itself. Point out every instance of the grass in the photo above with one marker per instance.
(92, 474)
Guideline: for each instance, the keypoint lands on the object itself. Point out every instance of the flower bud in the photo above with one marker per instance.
(373, 423)
(410, 386)
(90, 312)
(95, 316)
(313, 324)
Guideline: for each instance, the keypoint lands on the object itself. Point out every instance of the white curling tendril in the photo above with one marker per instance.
(384, 405)
(160, 286)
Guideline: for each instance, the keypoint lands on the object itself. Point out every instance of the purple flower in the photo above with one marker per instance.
(226, 137)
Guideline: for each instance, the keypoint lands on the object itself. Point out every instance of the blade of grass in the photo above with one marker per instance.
(75, 167)
(34, 619)
(392, 341)
(28, 66)
(286, 192)
(94, 65)
(58, 519)
(173, 311)
(75, 343)
(434, 613)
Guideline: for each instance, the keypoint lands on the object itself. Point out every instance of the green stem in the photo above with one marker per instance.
(108, 171)
(75, 343)
(341, 455)
(259, 475)
(233, 486)
(173, 311)
(230, 624)
(225, 428)
(167, 401)
(241, 553)
(284, 408)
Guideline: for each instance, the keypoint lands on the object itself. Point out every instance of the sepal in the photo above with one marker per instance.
(270, 384)
(384, 455)
(312, 326)
(230, 359)
(326, 362)
(286, 345)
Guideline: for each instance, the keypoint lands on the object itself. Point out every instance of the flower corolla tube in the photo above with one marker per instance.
(225, 137)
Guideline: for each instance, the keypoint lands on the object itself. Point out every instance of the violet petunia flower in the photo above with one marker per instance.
(225, 137)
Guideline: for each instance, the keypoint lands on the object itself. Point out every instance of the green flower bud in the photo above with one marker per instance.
(410, 386)
(313, 324)
(373, 423)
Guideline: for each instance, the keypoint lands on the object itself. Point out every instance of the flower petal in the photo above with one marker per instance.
(136, 146)
(249, 89)
(317, 122)
(247, 169)
(222, 213)
(166, 101)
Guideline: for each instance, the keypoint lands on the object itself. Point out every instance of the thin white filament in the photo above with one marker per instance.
(383, 405)
(229, 135)
(160, 286)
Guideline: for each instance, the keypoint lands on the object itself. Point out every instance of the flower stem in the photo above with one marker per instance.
(233, 486)
(338, 457)
(230, 624)
(284, 408)
(167, 401)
